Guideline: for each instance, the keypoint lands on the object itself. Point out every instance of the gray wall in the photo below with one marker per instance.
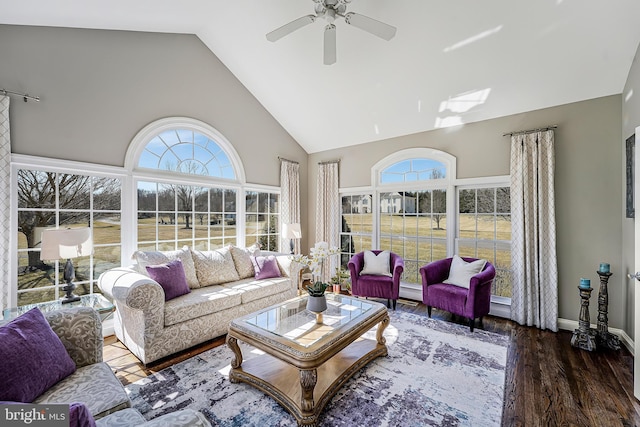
(99, 88)
(630, 120)
(588, 184)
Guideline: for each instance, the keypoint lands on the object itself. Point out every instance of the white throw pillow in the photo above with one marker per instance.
(143, 259)
(461, 272)
(377, 265)
(214, 267)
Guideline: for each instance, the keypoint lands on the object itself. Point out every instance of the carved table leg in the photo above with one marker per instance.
(237, 356)
(381, 327)
(308, 379)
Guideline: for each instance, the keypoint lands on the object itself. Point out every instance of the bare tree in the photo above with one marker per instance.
(37, 191)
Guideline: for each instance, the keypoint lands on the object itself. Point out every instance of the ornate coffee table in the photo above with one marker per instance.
(305, 362)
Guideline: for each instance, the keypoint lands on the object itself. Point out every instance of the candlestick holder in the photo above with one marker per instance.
(604, 338)
(584, 337)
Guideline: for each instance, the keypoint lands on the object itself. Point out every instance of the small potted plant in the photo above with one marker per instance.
(340, 280)
(317, 301)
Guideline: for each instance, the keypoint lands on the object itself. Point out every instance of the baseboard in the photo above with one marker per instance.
(571, 325)
(107, 327)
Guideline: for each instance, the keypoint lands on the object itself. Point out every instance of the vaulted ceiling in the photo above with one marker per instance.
(450, 63)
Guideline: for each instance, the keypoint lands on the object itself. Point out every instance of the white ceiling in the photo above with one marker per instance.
(452, 61)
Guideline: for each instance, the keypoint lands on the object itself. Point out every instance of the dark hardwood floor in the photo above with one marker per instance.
(548, 382)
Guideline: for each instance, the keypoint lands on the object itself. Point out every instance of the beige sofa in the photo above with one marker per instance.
(222, 285)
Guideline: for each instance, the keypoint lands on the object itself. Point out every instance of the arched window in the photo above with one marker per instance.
(412, 170)
(188, 179)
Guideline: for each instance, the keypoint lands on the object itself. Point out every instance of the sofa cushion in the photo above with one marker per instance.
(253, 289)
(126, 417)
(214, 267)
(242, 259)
(144, 259)
(171, 277)
(200, 302)
(94, 385)
(461, 272)
(266, 267)
(32, 358)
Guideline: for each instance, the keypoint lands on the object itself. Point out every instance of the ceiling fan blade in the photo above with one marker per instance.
(370, 25)
(330, 44)
(289, 28)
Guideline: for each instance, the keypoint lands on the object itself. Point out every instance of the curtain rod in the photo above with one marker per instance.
(329, 162)
(530, 130)
(24, 96)
(282, 159)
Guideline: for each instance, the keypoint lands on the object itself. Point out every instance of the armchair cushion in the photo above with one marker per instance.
(171, 277)
(33, 358)
(377, 265)
(461, 271)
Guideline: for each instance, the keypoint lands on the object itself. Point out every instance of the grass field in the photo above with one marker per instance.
(417, 239)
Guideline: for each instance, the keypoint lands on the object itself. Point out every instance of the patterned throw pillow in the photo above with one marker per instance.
(214, 267)
(157, 258)
(242, 259)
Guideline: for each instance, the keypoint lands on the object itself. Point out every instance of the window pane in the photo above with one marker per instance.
(467, 201)
(36, 189)
(106, 193)
(147, 194)
(503, 200)
(74, 191)
(105, 258)
(166, 197)
(106, 228)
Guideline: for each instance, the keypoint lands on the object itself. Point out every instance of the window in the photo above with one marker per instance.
(484, 231)
(188, 180)
(49, 199)
(357, 226)
(262, 219)
(171, 216)
(412, 170)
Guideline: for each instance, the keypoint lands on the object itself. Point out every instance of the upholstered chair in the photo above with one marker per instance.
(472, 302)
(376, 285)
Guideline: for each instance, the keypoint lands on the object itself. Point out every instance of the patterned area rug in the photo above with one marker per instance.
(436, 374)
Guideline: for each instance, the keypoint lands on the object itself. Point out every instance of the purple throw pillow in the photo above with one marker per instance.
(80, 416)
(171, 277)
(266, 267)
(32, 358)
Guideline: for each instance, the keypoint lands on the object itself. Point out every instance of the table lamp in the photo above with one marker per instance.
(292, 231)
(68, 243)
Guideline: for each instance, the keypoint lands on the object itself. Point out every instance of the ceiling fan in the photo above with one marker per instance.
(329, 10)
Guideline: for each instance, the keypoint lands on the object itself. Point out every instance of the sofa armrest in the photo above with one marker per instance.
(139, 302)
(126, 287)
(80, 331)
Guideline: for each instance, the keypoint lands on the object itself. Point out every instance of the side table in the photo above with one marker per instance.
(96, 301)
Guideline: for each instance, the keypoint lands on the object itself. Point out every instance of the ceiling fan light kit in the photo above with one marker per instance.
(329, 10)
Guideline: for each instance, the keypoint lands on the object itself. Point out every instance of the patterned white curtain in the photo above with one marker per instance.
(289, 199)
(328, 212)
(534, 300)
(5, 197)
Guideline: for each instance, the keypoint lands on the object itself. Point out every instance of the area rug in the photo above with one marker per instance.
(436, 374)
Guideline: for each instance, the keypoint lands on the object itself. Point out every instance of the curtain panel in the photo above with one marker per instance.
(289, 199)
(328, 212)
(5, 208)
(534, 300)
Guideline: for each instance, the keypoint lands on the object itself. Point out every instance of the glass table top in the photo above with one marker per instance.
(292, 321)
(96, 301)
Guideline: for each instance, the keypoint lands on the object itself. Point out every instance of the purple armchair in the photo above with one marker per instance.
(471, 303)
(376, 286)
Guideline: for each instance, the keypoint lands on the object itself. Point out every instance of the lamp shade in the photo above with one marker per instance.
(60, 243)
(292, 231)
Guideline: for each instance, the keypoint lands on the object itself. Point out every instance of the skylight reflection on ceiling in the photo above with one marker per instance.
(472, 39)
(460, 104)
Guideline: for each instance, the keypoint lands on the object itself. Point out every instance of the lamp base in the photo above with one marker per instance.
(67, 300)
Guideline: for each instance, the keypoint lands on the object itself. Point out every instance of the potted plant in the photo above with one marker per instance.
(317, 301)
(340, 280)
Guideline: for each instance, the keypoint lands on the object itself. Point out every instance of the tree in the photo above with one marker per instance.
(37, 191)
(268, 238)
